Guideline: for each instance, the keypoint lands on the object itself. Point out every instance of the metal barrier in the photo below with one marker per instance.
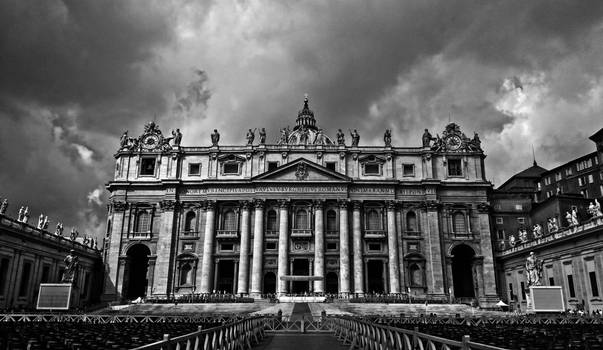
(102, 319)
(241, 334)
(277, 324)
(361, 334)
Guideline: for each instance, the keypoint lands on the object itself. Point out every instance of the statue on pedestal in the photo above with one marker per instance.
(533, 270)
(512, 241)
(575, 217)
(3, 206)
(594, 209)
(71, 267)
(215, 138)
(177, 137)
(355, 138)
(21, 214)
(387, 138)
(537, 231)
(250, 136)
(25, 215)
(123, 141)
(340, 138)
(59, 229)
(262, 136)
(73, 234)
(523, 235)
(41, 221)
(284, 135)
(568, 217)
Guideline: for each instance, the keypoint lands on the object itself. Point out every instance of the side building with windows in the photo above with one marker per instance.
(562, 224)
(305, 214)
(30, 256)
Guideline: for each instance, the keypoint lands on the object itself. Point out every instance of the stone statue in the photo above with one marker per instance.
(21, 214)
(574, 217)
(554, 224)
(512, 241)
(537, 231)
(215, 138)
(86, 241)
(355, 138)
(427, 138)
(387, 138)
(71, 267)
(523, 235)
(340, 138)
(59, 229)
(303, 136)
(597, 208)
(41, 221)
(25, 215)
(319, 138)
(95, 245)
(250, 136)
(262, 136)
(568, 217)
(3, 206)
(177, 136)
(73, 234)
(533, 270)
(123, 141)
(284, 136)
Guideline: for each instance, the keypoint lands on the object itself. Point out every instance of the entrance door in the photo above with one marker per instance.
(332, 283)
(269, 283)
(226, 276)
(462, 271)
(376, 283)
(135, 283)
(301, 267)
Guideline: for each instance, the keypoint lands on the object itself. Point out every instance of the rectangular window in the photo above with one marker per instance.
(580, 181)
(500, 234)
(272, 165)
(523, 291)
(511, 291)
(372, 169)
(270, 245)
(408, 170)
(551, 281)
(499, 220)
(227, 246)
(593, 283)
(25, 275)
(558, 177)
(521, 220)
(570, 286)
(584, 193)
(331, 165)
(194, 169)
(454, 167)
(568, 171)
(413, 246)
(601, 190)
(147, 166)
(331, 246)
(590, 178)
(3, 274)
(375, 247)
(188, 246)
(539, 185)
(231, 168)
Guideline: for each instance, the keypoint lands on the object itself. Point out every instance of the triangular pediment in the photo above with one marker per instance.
(302, 170)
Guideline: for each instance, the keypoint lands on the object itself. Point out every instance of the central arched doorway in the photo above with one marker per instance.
(301, 267)
(462, 271)
(136, 274)
(375, 276)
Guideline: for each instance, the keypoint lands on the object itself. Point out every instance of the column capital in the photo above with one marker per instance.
(283, 203)
(318, 204)
(431, 205)
(244, 205)
(119, 205)
(483, 208)
(168, 205)
(343, 203)
(391, 205)
(357, 205)
(259, 203)
(209, 205)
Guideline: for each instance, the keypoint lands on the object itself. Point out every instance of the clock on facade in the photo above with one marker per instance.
(150, 141)
(453, 142)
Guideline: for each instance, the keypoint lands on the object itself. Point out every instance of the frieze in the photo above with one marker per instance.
(411, 192)
(291, 188)
(167, 205)
(372, 190)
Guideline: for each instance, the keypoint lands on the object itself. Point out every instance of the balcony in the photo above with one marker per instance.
(189, 234)
(332, 233)
(227, 234)
(140, 235)
(272, 233)
(301, 233)
(374, 234)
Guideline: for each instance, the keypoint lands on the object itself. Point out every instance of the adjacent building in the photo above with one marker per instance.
(306, 214)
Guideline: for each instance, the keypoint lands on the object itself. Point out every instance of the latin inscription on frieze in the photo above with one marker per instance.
(283, 188)
(410, 192)
(371, 190)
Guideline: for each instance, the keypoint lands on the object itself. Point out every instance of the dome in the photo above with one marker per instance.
(309, 136)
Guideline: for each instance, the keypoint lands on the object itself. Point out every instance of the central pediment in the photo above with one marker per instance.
(302, 170)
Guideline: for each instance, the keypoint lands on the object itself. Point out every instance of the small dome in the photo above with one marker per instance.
(305, 117)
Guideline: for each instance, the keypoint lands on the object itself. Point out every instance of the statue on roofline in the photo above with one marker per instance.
(387, 138)
(340, 138)
(250, 136)
(215, 138)
(3, 206)
(262, 136)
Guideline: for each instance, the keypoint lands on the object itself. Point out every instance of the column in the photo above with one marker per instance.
(486, 243)
(357, 246)
(319, 246)
(258, 249)
(435, 273)
(165, 248)
(283, 246)
(242, 286)
(344, 249)
(208, 248)
(117, 230)
(392, 248)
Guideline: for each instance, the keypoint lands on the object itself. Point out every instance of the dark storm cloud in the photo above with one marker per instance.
(197, 94)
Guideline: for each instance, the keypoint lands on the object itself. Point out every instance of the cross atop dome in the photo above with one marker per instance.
(305, 117)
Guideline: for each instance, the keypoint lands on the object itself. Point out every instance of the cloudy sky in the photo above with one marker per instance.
(75, 74)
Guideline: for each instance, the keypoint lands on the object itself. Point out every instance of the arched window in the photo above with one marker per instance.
(230, 221)
(301, 219)
(271, 221)
(416, 276)
(185, 274)
(411, 222)
(189, 221)
(143, 222)
(373, 220)
(331, 220)
(458, 222)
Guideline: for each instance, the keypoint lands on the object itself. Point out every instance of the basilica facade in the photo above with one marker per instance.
(306, 214)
